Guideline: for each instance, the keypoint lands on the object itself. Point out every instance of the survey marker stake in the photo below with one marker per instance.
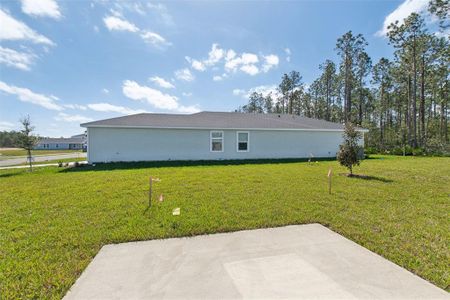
(151, 189)
(330, 173)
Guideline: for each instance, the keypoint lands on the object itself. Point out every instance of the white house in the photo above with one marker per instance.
(76, 142)
(210, 136)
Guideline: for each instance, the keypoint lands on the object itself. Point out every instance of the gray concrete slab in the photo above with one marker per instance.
(301, 262)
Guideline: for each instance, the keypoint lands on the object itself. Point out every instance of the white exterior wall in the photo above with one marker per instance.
(145, 144)
(52, 146)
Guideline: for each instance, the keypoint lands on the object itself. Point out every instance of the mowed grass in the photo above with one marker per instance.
(53, 221)
(10, 153)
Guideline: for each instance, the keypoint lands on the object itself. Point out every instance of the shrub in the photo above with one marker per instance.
(408, 150)
(418, 152)
(436, 147)
(371, 150)
(349, 153)
(397, 151)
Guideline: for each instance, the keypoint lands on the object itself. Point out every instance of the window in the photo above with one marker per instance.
(216, 141)
(242, 141)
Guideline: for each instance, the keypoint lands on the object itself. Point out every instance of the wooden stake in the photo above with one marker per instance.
(330, 173)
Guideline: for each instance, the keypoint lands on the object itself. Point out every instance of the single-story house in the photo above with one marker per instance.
(76, 142)
(210, 136)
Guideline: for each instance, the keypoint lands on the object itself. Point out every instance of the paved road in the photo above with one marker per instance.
(293, 262)
(70, 164)
(40, 158)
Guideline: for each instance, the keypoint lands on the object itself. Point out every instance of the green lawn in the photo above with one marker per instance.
(53, 221)
(9, 153)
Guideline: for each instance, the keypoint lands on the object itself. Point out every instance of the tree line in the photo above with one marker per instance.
(404, 101)
(9, 139)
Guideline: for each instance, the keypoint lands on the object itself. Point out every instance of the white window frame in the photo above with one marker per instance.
(248, 141)
(211, 140)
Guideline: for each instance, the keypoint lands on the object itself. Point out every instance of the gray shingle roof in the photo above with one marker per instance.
(217, 120)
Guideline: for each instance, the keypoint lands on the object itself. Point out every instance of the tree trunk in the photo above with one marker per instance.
(29, 160)
(443, 116)
(414, 103)
(347, 90)
(291, 104)
(361, 99)
(381, 116)
(408, 111)
(328, 98)
(422, 103)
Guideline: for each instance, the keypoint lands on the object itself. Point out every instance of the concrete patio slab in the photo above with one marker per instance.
(303, 261)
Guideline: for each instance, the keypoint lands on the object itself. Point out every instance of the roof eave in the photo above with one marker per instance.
(87, 125)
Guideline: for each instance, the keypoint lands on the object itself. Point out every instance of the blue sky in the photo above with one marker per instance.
(69, 62)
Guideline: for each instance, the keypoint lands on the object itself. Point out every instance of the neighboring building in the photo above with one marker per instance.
(210, 136)
(76, 142)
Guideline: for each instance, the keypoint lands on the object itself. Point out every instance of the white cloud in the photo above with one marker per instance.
(250, 69)
(154, 38)
(238, 92)
(130, 6)
(105, 91)
(230, 55)
(161, 13)
(6, 126)
(184, 74)
(188, 109)
(106, 107)
(288, 54)
(161, 82)
(26, 95)
(271, 61)
(41, 8)
(263, 89)
(18, 60)
(134, 91)
(246, 63)
(72, 118)
(137, 7)
(196, 64)
(186, 94)
(402, 12)
(13, 29)
(215, 55)
(217, 78)
(116, 13)
(249, 58)
(116, 23)
(156, 98)
(75, 106)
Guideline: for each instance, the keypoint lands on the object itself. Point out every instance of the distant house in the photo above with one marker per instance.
(76, 142)
(210, 136)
